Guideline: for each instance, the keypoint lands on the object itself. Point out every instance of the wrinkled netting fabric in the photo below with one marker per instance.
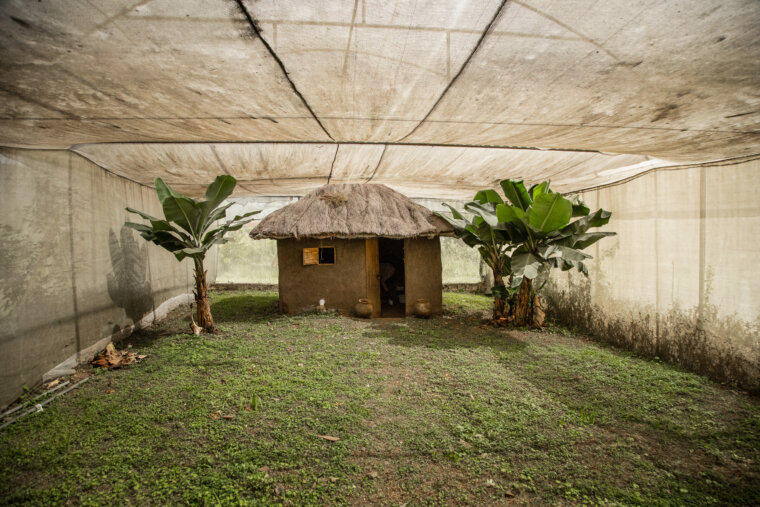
(433, 98)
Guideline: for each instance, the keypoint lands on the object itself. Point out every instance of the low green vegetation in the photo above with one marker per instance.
(244, 261)
(459, 263)
(439, 411)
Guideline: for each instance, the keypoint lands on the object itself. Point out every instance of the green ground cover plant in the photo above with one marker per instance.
(439, 411)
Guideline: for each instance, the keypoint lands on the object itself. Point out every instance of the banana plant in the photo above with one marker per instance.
(190, 228)
(478, 227)
(539, 221)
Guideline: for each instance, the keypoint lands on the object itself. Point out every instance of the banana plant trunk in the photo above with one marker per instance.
(203, 310)
(523, 311)
(499, 304)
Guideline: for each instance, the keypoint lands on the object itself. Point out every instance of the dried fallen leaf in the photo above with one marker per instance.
(228, 416)
(508, 493)
(112, 358)
(248, 407)
(112, 355)
(373, 474)
(100, 361)
(216, 415)
(264, 469)
(300, 364)
(195, 328)
(328, 437)
(110, 391)
(52, 383)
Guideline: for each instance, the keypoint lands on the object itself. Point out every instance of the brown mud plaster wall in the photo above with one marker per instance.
(72, 275)
(422, 273)
(340, 284)
(680, 280)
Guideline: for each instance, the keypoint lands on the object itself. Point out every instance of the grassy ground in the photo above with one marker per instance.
(427, 412)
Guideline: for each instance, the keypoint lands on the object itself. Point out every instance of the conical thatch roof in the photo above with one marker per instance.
(351, 211)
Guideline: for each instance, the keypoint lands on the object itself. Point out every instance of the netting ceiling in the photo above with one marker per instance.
(433, 98)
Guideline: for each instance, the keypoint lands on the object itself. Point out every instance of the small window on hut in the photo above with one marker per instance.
(321, 255)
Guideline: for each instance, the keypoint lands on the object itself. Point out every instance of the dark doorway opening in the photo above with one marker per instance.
(392, 282)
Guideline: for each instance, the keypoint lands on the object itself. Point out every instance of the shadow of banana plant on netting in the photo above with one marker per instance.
(128, 283)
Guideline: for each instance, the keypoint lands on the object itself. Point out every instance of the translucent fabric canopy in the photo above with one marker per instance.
(433, 98)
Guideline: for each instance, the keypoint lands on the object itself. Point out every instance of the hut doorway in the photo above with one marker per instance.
(392, 279)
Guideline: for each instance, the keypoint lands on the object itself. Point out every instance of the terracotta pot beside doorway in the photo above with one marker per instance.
(422, 308)
(363, 308)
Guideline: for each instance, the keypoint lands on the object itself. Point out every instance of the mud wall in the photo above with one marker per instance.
(340, 284)
(422, 262)
(245, 261)
(680, 280)
(72, 275)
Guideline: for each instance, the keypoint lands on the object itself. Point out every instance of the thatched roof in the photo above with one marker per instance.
(352, 211)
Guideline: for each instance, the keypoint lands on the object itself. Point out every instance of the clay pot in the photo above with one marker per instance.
(422, 308)
(363, 308)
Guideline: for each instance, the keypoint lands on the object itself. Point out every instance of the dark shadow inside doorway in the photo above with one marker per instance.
(392, 280)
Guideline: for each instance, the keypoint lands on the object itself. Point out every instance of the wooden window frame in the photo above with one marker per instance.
(307, 257)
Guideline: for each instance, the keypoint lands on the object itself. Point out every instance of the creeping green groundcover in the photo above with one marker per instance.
(325, 409)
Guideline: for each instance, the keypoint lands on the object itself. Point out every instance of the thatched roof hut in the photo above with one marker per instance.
(344, 242)
(352, 211)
